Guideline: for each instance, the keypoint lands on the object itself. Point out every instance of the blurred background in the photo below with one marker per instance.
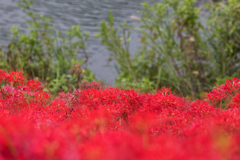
(66, 13)
(187, 45)
(89, 13)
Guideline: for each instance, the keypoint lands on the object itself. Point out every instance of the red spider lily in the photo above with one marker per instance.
(15, 78)
(41, 95)
(219, 93)
(34, 84)
(2, 75)
(110, 123)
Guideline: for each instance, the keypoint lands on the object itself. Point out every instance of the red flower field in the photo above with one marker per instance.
(114, 124)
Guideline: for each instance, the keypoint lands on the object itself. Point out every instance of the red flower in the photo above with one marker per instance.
(236, 99)
(34, 84)
(2, 75)
(15, 78)
(41, 95)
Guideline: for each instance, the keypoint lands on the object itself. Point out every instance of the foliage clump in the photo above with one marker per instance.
(177, 49)
(46, 54)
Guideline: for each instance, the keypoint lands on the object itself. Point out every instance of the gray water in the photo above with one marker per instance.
(70, 12)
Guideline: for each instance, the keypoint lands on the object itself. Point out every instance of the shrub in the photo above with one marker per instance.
(176, 49)
(46, 54)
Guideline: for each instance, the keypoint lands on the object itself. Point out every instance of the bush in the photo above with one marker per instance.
(176, 49)
(46, 54)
